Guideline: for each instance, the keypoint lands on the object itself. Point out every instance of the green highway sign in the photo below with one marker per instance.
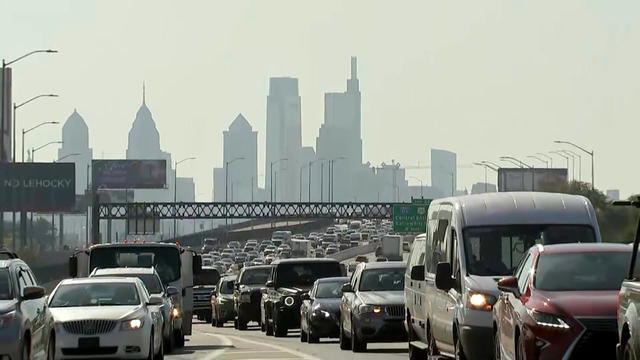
(411, 218)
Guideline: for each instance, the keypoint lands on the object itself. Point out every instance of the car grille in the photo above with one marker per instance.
(598, 340)
(256, 297)
(89, 327)
(395, 310)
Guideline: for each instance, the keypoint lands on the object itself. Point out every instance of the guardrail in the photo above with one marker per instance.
(353, 252)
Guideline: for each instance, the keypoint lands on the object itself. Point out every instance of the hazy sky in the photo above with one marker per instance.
(481, 78)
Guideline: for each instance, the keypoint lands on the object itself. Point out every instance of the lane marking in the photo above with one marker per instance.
(218, 352)
(273, 346)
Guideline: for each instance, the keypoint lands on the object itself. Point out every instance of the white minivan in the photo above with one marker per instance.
(473, 241)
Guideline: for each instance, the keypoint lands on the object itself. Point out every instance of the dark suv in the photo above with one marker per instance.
(204, 286)
(248, 293)
(289, 279)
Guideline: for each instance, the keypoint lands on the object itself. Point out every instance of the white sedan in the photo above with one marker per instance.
(106, 318)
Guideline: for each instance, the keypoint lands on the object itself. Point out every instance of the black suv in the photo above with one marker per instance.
(248, 293)
(289, 279)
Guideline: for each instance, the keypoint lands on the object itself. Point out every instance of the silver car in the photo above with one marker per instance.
(106, 318)
(26, 327)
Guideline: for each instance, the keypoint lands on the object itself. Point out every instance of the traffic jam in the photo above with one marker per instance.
(495, 276)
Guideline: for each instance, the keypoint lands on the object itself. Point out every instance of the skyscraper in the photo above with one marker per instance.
(340, 137)
(75, 140)
(444, 174)
(240, 144)
(284, 137)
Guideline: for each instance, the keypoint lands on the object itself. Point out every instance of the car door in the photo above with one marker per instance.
(453, 296)
(31, 309)
(41, 312)
(441, 298)
(348, 298)
(414, 288)
(512, 305)
(305, 308)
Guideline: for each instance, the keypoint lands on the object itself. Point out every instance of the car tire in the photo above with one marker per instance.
(160, 354)
(497, 351)
(627, 352)
(25, 353)
(520, 353)
(312, 339)
(179, 338)
(268, 326)
(414, 352)
(207, 317)
(432, 350)
(357, 345)
(303, 335)
(242, 324)
(51, 347)
(235, 324)
(457, 348)
(152, 351)
(279, 330)
(345, 342)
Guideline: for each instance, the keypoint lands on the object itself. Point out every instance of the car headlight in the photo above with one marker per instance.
(480, 301)
(133, 324)
(7, 318)
(289, 301)
(175, 313)
(546, 319)
(321, 314)
(374, 309)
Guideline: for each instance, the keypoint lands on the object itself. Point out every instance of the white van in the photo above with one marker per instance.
(472, 241)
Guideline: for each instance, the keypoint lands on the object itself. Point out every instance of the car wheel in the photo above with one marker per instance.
(152, 350)
(520, 353)
(312, 339)
(268, 326)
(208, 316)
(457, 348)
(303, 335)
(627, 353)
(160, 354)
(497, 349)
(235, 324)
(357, 345)
(51, 347)
(179, 338)
(345, 342)
(279, 330)
(432, 351)
(26, 349)
(242, 324)
(414, 352)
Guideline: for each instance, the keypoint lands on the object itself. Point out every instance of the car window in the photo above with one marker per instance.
(225, 288)
(6, 293)
(581, 271)
(525, 271)
(329, 290)
(301, 274)
(254, 276)
(151, 282)
(23, 280)
(385, 279)
(95, 294)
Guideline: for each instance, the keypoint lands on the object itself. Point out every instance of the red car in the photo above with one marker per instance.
(561, 303)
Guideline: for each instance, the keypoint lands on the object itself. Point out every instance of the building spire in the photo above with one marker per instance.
(144, 93)
(354, 68)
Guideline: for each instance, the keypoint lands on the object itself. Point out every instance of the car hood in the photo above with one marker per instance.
(483, 284)
(254, 287)
(578, 303)
(93, 312)
(330, 305)
(7, 305)
(382, 297)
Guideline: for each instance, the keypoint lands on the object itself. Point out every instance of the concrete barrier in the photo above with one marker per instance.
(353, 252)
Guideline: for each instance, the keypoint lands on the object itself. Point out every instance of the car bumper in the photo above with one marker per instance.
(225, 312)
(9, 343)
(375, 328)
(249, 311)
(327, 327)
(477, 342)
(289, 317)
(115, 344)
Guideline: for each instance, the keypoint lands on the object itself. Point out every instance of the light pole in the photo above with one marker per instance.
(593, 186)
(547, 157)
(33, 151)
(573, 156)
(545, 162)
(561, 154)
(522, 164)
(16, 107)
(175, 192)
(310, 165)
(226, 176)
(331, 167)
(421, 185)
(486, 181)
(271, 175)
(67, 156)
(2, 86)
(24, 132)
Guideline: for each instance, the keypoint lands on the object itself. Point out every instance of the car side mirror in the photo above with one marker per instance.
(417, 273)
(444, 280)
(509, 284)
(270, 284)
(172, 291)
(347, 288)
(155, 300)
(73, 266)
(305, 296)
(33, 292)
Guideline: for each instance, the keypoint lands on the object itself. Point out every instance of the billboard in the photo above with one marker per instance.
(37, 186)
(526, 179)
(5, 115)
(129, 174)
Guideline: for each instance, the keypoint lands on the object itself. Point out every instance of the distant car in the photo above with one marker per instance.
(209, 244)
(234, 244)
(106, 317)
(222, 302)
(247, 294)
(372, 306)
(319, 252)
(204, 285)
(320, 310)
(561, 303)
(154, 286)
(26, 325)
(330, 251)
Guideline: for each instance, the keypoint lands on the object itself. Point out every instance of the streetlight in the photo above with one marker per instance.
(16, 107)
(31, 129)
(331, 166)
(522, 164)
(547, 157)
(271, 174)
(310, 165)
(2, 95)
(421, 185)
(175, 191)
(541, 160)
(593, 186)
(68, 155)
(573, 156)
(33, 151)
(561, 154)
(486, 165)
(226, 177)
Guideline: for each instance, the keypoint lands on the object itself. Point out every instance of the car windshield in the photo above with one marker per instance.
(581, 271)
(255, 276)
(166, 260)
(385, 279)
(151, 282)
(95, 294)
(497, 250)
(305, 274)
(330, 290)
(226, 287)
(207, 277)
(5, 285)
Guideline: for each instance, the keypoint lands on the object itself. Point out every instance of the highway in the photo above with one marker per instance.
(226, 343)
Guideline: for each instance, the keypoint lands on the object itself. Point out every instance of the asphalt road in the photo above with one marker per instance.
(227, 343)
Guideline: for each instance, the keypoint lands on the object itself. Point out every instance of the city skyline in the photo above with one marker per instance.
(424, 90)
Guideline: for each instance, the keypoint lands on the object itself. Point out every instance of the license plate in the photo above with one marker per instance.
(89, 343)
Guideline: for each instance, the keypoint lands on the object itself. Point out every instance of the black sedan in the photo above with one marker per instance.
(320, 310)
